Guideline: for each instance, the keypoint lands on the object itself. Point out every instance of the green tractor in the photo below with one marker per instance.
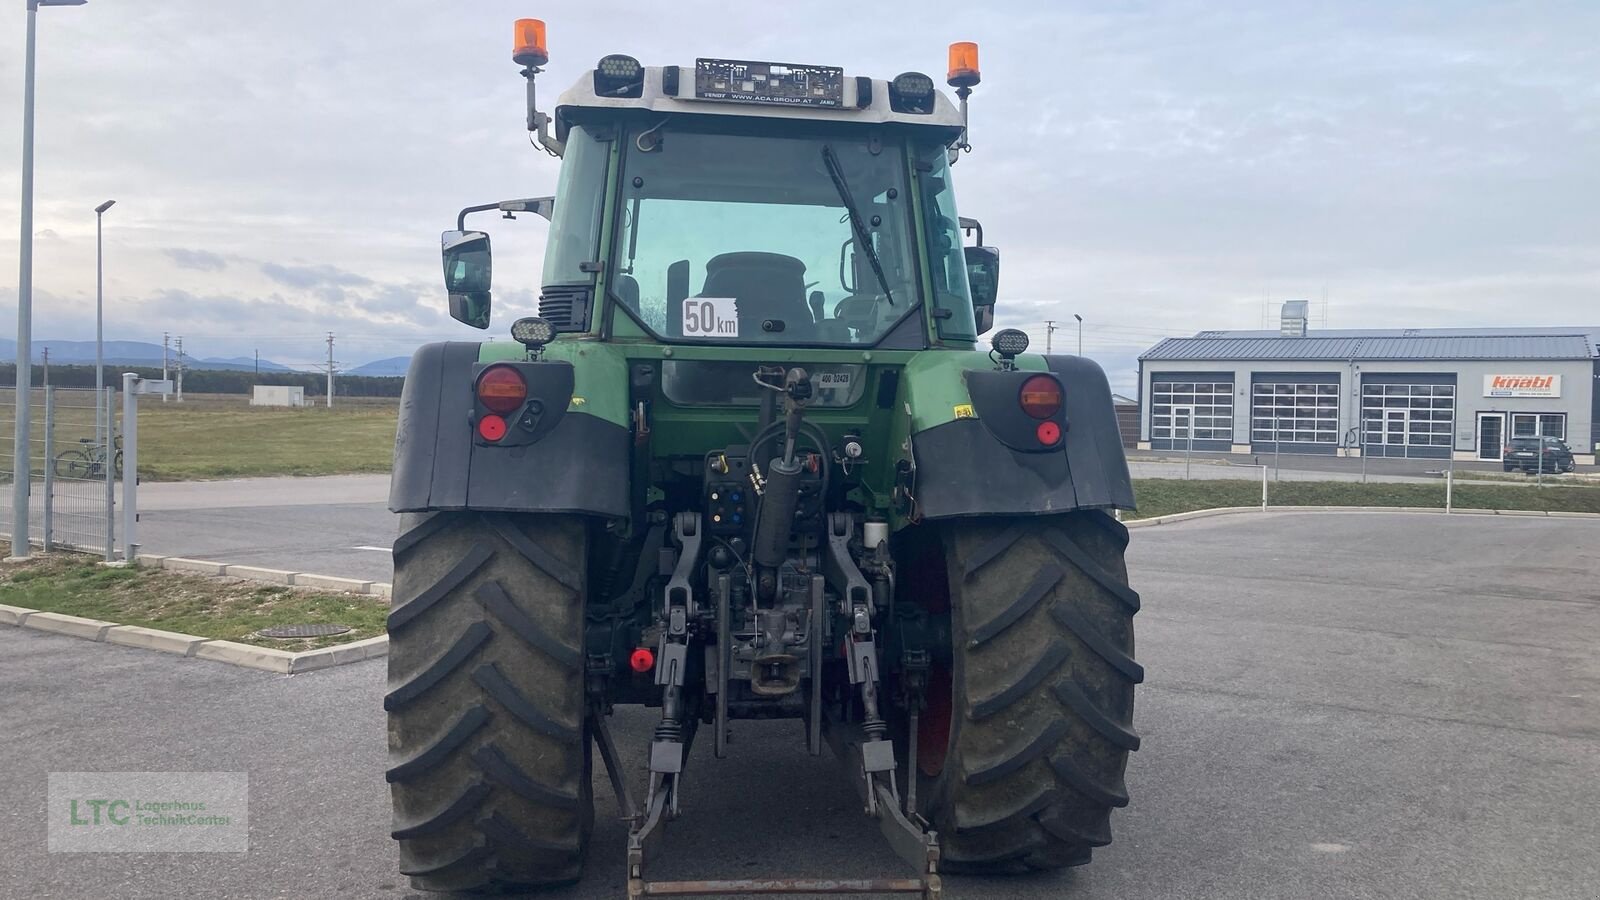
(749, 462)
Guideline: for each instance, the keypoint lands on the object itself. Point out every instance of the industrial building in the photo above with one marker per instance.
(1415, 392)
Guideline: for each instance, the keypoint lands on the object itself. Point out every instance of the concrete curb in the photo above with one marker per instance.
(233, 653)
(13, 615)
(154, 639)
(249, 656)
(327, 657)
(1434, 510)
(71, 626)
(257, 573)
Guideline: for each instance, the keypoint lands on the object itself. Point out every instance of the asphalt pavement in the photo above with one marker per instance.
(1337, 705)
(332, 525)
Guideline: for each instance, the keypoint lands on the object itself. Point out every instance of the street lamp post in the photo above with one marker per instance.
(101, 417)
(22, 467)
(1080, 332)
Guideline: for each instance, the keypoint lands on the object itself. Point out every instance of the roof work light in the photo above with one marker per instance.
(619, 75)
(911, 92)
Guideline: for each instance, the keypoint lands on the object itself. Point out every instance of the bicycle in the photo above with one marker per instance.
(88, 461)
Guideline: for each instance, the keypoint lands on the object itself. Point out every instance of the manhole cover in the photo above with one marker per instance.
(303, 631)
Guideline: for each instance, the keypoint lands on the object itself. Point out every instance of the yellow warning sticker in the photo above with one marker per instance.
(964, 411)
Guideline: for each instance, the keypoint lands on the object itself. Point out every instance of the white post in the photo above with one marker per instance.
(330, 370)
(1364, 450)
(130, 464)
(1538, 446)
(1449, 484)
(110, 449)
(1263, 488)
(1188, 453)
(49, 463)
(100, 415)
(1277, 451)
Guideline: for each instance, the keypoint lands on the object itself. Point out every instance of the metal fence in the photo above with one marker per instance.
(75, 462)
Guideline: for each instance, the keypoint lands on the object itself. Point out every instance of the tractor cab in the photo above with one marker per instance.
(740, 203)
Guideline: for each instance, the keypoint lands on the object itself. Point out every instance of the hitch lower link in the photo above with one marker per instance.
(907, 833)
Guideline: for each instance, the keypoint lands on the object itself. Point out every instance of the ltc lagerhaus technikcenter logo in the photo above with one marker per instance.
(150, 812)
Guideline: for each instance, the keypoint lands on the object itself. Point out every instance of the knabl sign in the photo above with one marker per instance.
(1522, 385)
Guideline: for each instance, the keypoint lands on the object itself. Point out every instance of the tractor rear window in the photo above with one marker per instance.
(731, 238)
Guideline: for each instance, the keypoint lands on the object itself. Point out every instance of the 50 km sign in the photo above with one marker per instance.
(710, 317)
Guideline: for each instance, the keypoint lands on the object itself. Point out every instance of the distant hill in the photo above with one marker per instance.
(238, 362)
(131, 353)
(393, 367)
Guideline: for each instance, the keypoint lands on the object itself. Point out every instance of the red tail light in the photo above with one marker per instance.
(1040, 396)
(491, 428)
(501, 389)
(642, 660)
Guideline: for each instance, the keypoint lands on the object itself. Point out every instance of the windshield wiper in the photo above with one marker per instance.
(863, 236)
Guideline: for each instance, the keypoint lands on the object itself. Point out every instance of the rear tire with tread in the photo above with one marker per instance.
(488, 748)
(1042, 692)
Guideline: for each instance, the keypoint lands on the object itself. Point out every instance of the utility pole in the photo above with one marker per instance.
(1080, 332)
(1049, 330)
(165, 338)
(258, 366)
(21, 450)
(180, 368)
(331, 365)
(46, 367)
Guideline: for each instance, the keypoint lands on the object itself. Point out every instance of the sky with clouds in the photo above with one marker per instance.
(284, 169)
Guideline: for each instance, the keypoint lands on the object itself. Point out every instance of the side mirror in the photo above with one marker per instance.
(467, 270)
(983, 280)
(983, 316)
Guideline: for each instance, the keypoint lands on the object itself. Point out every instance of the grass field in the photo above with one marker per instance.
(222, 436)
(223, 608)
(1163, 497)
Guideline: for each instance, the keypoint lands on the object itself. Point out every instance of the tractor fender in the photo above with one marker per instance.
(577, 465)
(964, 468)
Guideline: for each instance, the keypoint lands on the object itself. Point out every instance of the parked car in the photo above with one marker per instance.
(1524, 452)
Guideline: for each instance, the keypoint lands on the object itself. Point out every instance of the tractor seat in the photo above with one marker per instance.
(767, 286)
